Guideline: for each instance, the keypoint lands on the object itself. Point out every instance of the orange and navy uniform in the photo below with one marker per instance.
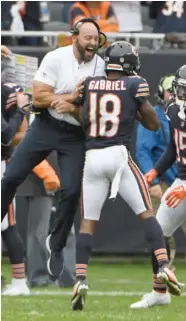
(101, 14)
(120, 101)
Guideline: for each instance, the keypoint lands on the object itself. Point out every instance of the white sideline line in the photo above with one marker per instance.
(94, 293)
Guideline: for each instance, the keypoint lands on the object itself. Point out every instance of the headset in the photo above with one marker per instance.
(75, 30)
(160, 90)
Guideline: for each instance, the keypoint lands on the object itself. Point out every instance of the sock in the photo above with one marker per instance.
(84, 244)
(158, 285)
(14, 245)
(156, 240)
(18, 271)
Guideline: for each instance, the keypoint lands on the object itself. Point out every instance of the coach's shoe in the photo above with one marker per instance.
(151, 299)
(55, 262)
(13, 290)
(79, 294)
(167, 275)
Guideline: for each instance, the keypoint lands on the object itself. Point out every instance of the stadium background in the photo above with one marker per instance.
(118, 225)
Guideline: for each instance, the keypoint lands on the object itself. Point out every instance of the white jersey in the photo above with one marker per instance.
(61, 70)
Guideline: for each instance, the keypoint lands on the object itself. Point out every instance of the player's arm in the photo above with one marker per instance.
(20, 132)
(168, 158)
(43, 95)
(5, 52)
(79, 102)
(147, 116)
(9, 129)
(166, 161)
(146, 143)
(44, 83)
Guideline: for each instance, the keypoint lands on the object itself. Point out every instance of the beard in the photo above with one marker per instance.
(85, 55)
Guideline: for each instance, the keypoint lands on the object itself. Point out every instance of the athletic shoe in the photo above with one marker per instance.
(151, 299)
(55, 262)
(79, 294)
(13, 290)
(167, 275)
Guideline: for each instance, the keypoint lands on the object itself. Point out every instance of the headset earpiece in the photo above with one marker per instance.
(160, 90)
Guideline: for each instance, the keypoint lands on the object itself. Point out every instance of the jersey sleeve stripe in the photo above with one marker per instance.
(143, 94)
(143, 85)
(142, 89)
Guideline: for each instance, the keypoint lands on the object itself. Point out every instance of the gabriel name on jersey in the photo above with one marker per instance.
(110, 109)
(178, 129)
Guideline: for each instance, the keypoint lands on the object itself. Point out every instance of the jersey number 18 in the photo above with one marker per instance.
(100, 116)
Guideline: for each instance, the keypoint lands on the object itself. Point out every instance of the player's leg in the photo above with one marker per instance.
(132, 183)
(184, 231)
(95, 191)
(15, 248)
(35, 147)
(39, 211)
(156, 201)
(70, 161)
(169, 218)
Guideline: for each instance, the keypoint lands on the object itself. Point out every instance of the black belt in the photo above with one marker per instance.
(60, 123)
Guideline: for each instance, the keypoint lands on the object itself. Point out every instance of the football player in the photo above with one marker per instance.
(13, 128)
(110, 108)
(172, 211)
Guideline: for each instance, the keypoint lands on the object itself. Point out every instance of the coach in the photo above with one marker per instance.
(56, 86)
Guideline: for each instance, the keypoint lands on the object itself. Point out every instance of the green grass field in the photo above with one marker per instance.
(113, 287)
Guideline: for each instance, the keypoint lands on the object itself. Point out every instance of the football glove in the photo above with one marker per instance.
(176, 196)
(150, 176)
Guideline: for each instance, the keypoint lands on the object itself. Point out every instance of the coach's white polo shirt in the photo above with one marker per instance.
(61, 70)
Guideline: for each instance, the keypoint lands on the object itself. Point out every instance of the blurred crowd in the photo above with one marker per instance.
(115, 16)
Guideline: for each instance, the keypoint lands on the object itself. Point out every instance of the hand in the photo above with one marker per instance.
(176, 195)
(150, 176)
(78, 89)
(51, 183)
(156, 191)
(61, 106)
(22, 100)
(5, 52)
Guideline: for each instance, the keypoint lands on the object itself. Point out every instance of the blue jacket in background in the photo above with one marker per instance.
(151, 144)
